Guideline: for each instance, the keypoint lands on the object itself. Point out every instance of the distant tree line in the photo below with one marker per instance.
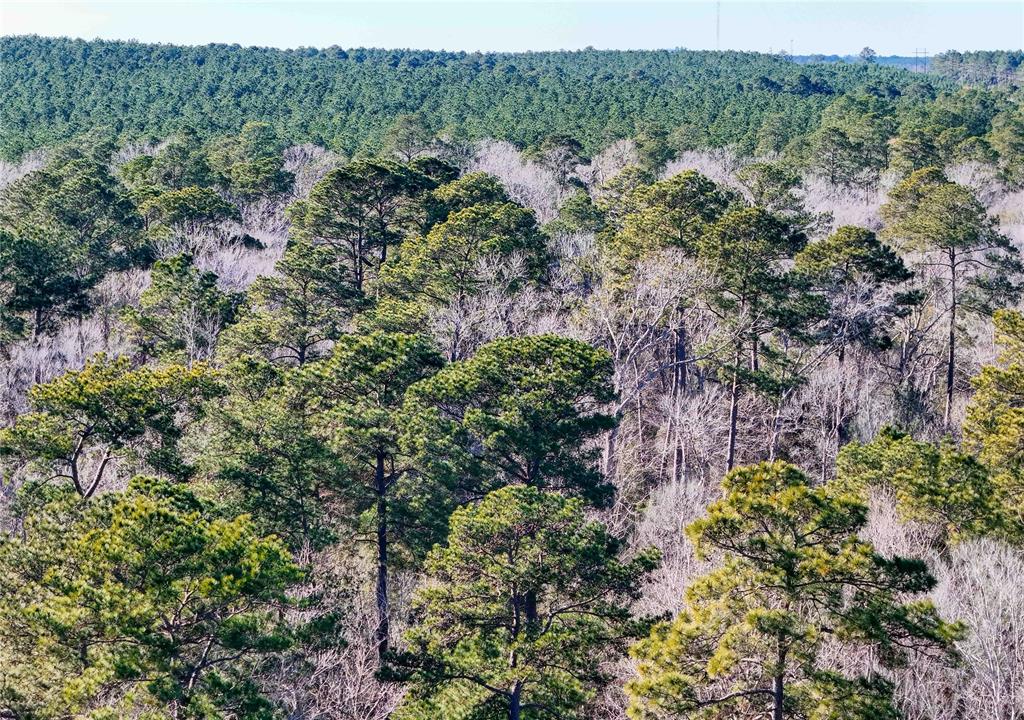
(347, 99)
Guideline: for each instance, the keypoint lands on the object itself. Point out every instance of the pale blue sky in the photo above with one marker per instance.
(809, 26)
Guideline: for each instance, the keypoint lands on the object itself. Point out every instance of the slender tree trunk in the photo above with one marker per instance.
(359, 263)
(531, 606)
(609, 452)
(678, 387)
(778, 697)
(951, 359)
(773, 440)
(779, 684)
(734, 401)
(383, 623)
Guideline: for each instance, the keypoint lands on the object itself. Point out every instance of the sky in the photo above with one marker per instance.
(803, 27)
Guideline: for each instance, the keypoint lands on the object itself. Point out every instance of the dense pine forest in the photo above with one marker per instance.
(369, 384)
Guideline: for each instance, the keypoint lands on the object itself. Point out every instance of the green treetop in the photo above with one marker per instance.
(753, 294)
(521, 606)
(182, 312)
(291, 317)
(976, 266)
(670, 213)
(522, 410)
(934, 484)
(251, 163)
(181, 162)
(408, 137)
(849, 267)
(143, 603)
(65, 226)
(794, 576)
(471, 189)
(263, 457)
(359, 393)
(453, 261)
(86, 424)
(185, 214)
(361, 210)
(994, 426)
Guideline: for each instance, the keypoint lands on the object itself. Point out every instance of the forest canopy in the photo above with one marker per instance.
(400, 385)
(347, 99)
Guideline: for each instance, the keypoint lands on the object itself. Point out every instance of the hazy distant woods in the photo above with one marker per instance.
(368, 384)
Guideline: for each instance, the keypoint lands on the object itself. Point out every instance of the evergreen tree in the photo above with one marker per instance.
(251, 164)
(752, 293)
(408, 137)
(454, 259)
(857, 279)
(521, 411)
(142, 603)
(994, 427)
(977, 265)
(181, 218)
(360, 210)
(65, 227)
(292, 316)
(358, 395)
(88, 423)
(263, 456)
(670, 213)
(793, 575)
(522, 605)
(934, 484)
(181, 313)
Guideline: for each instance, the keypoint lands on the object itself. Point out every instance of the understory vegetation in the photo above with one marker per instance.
(649, 408)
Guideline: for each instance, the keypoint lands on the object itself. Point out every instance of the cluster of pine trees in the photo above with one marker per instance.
(347, 100)
(421, 466)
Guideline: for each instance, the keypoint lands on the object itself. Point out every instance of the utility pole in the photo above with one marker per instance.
(718, 25)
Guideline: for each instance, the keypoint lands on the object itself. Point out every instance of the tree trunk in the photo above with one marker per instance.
(678, 387)
(773, 440)
(778, 697)
(951, 361)
(734, 400)
(515, 702)
(779, 683)
(383, 624)
(609, 453)
(531, 606)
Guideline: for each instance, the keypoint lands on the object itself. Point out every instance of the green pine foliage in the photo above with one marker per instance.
(521, 604)
(793, 576)
(364, 99)
(142, 603)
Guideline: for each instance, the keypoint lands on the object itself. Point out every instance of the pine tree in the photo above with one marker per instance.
(793, 575)
(89, 423)
(522, 410)
(358, 395)
(141, 603)
(181, 313)
(977, 265)
(522, 604)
